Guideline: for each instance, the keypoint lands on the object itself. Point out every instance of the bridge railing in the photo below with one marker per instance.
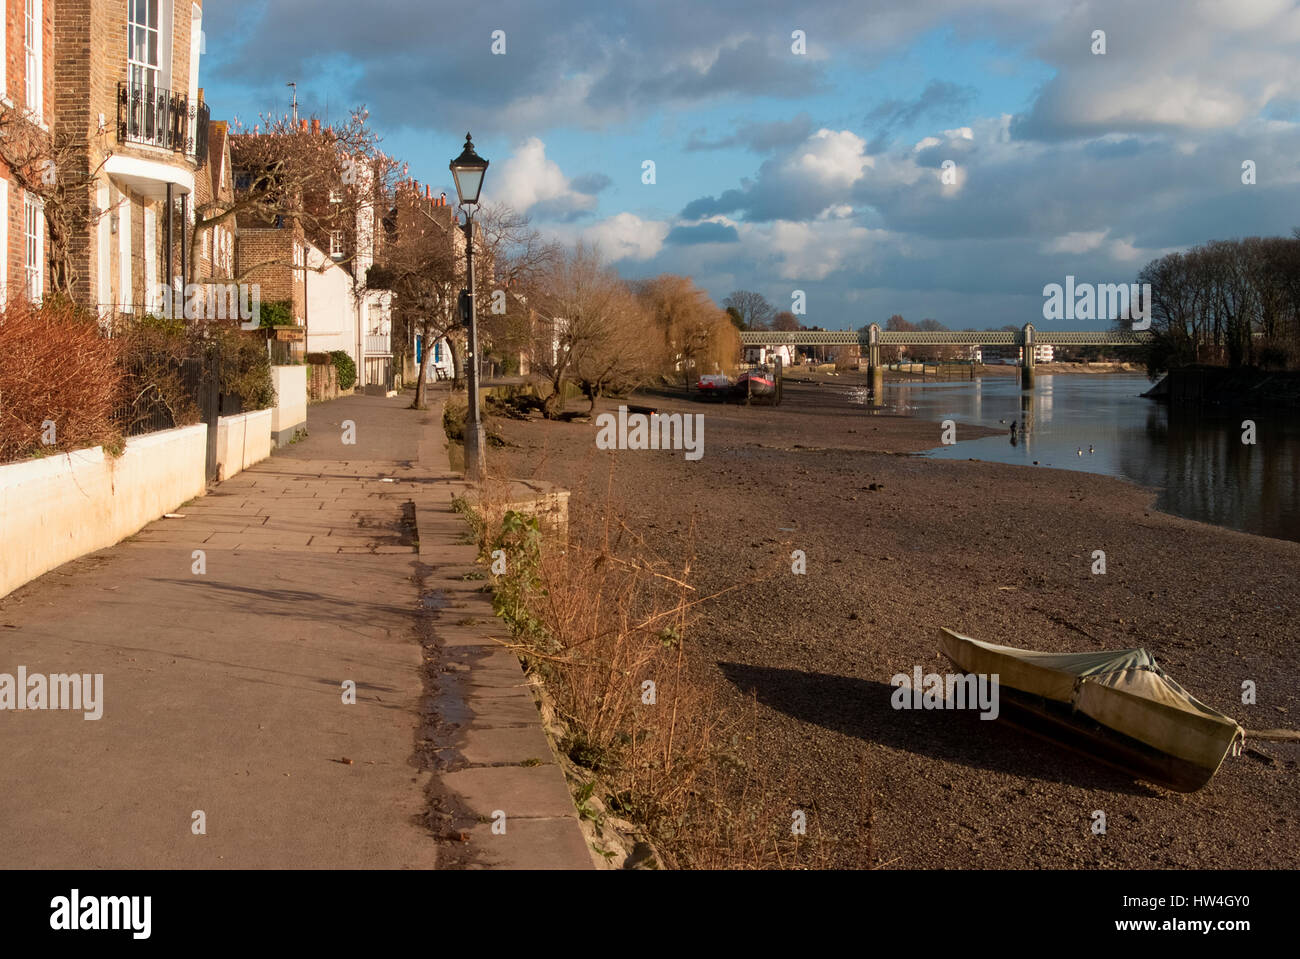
(945, 338)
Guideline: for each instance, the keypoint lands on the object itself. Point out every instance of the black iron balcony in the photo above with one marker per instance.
(162, 118)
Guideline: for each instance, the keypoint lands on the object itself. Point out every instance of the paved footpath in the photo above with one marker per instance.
(224, 683)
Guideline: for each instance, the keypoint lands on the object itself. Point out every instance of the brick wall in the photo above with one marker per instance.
(15, 25)
(90, 53)
(278, 281)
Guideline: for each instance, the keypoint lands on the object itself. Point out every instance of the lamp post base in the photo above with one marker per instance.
(475, 444)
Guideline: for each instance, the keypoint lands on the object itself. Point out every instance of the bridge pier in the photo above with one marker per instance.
(875, 372)
(1027, 357)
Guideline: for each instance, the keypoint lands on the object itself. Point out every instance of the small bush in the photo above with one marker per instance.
(347, 369)
(276, 313)
(55, 367)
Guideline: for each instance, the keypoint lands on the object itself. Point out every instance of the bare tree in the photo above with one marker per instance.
(754, 310)
(50, 167)
(583, 311)
(329, 180)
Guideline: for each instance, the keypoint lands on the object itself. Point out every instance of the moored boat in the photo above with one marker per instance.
(714, 384)
(1117, 706)
(755, 382)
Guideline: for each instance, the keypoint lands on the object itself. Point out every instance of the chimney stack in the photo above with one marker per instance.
(315, 125)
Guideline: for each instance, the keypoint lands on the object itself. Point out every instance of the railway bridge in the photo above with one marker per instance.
(872, 338)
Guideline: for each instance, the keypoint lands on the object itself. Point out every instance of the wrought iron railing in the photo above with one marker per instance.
(162, 118)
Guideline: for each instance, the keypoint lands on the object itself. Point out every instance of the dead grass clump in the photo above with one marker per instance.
(607, 629)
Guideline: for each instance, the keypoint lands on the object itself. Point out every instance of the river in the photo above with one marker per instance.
(1100, 424)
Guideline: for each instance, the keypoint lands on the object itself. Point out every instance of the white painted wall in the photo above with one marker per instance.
(290, 410)
(242, 441)
(331, 307)
(57, 508)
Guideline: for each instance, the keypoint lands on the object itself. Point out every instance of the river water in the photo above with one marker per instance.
(1099, 424)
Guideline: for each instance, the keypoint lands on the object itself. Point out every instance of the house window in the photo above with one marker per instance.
(142, 55)
(336, 242)
(33, 54)
(336, 196)
(34, 233)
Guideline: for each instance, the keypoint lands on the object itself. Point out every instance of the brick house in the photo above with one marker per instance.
(127, 95)
(319, 263)
(27, 54)
(417, 213)
(214, 189)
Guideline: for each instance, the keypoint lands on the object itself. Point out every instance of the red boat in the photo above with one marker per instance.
(756, 382)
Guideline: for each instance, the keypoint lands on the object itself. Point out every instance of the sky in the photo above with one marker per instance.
(941, 159)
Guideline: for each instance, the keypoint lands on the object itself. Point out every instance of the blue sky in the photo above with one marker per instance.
(822, 171)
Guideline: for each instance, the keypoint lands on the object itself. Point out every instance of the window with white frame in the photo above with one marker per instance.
(33, 55)
(336, 196)
(34, 259)
(336, 242)
(143, 53)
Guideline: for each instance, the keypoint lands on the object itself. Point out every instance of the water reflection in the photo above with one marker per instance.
(1100, 424)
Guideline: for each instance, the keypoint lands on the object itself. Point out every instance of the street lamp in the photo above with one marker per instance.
(468, 169)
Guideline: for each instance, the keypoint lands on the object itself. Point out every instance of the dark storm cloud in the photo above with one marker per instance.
(759, 137)
(703, 233)
(590, 183)
(939, 101)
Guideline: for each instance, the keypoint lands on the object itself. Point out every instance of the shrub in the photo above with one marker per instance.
(245, 366)
(276, 313)
(155, 351)
(347, 369)
(55, 367)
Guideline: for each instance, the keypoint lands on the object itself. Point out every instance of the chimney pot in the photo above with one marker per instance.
(315, 125)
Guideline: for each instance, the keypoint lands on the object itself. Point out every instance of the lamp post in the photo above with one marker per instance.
(468, 170)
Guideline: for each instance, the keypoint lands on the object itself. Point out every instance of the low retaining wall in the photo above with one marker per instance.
(242, 441)
(55, 509)
(289, 415)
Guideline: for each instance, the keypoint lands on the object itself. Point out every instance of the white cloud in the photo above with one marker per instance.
(528, 178)
(1080, 241)
(627, 237)
(835, 159)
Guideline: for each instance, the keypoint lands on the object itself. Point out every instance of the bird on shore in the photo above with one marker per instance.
(1079, 451)
(1091, 450)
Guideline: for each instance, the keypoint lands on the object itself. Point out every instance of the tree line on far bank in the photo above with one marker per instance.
(1233, 303)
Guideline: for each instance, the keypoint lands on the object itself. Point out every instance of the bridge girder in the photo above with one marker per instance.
(946, 338)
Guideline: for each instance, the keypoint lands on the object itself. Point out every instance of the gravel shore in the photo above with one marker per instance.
(898, 545)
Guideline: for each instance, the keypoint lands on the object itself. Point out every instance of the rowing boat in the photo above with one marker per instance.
(1117, 706)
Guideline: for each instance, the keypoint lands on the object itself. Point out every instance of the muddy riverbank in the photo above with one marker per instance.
(898, 545)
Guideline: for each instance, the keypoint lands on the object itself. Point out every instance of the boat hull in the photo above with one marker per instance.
(1116, 706)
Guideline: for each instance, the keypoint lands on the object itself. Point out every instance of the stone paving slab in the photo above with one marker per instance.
(223, 691)
(531, 844)
(511, 766)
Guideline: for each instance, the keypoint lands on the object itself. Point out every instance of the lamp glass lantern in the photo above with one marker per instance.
(468, 169)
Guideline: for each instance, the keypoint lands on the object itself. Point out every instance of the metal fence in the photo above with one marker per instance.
(159, 393)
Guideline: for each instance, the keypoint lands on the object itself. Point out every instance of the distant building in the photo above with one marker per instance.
(763, 355)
